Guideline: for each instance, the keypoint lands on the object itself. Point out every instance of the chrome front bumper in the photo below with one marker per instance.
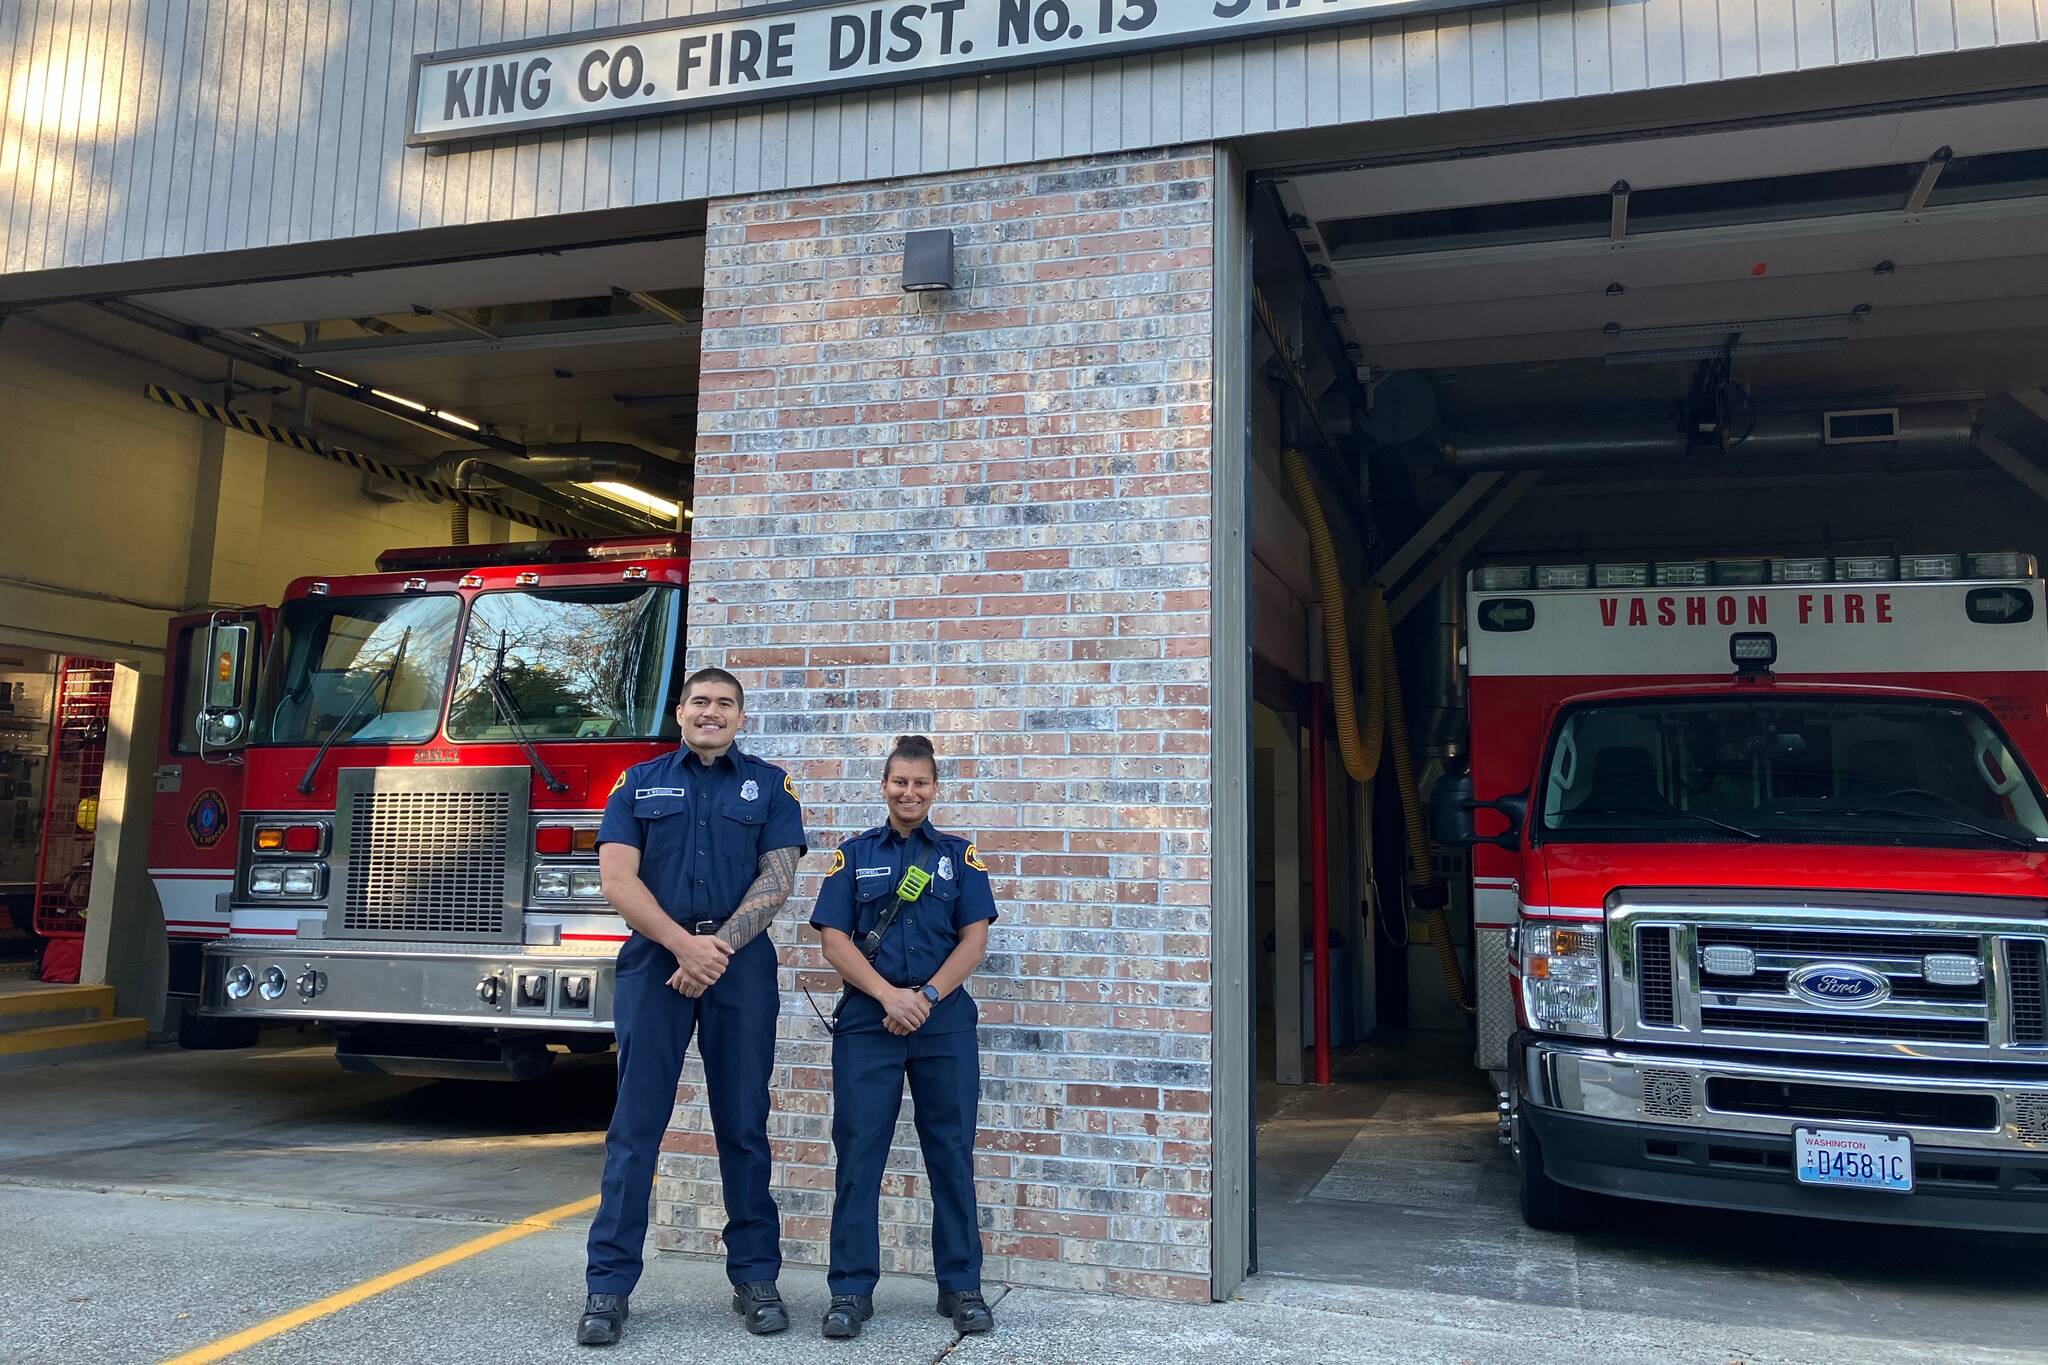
(485, 986)
(1677, 1090)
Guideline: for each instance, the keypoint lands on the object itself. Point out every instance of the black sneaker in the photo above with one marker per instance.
(604, 1320)
(968, 1310)
(844, 1317)
(761, 1305)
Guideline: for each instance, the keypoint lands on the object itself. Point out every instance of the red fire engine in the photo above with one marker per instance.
(1764, 882)
(423, 761)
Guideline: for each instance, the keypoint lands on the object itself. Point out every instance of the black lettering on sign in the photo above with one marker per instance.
(782, 50)
(909, 38)
(948, 11)
(626, 71)
(504, 77)
(1020, 21)
(591, 93)
(535, 87)
(456, 102)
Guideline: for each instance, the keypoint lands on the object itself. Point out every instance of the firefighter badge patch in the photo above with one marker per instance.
(945, 869)
(750, 790)
(973, 859)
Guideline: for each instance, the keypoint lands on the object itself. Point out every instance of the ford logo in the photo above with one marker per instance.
(1841, 985)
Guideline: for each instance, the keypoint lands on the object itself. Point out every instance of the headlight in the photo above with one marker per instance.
(266, 881)
(586, 885)
(240, 982)
(551, 883)
(273, 983)
(1563, 978)
(302, 881)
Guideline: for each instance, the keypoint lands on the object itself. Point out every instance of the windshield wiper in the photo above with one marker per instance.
(1999, 836)
(494, 683)
(1661, 811)
(385, 673)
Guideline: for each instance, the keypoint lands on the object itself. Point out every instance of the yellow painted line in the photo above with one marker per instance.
(370, 1289)
(526, 1142)
(57, 1036)
(41, 999)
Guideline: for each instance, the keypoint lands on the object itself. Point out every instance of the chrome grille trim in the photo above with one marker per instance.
(429, 855)
(1920, 1018)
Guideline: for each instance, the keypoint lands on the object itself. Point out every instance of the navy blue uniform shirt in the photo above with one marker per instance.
(863, 880)
(701, 828)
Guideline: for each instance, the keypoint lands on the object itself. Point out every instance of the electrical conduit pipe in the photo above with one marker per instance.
(1386, 721)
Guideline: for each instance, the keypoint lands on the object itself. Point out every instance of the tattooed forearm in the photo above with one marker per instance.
(772, 885)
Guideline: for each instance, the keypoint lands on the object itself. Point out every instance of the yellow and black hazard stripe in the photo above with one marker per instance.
(355, 459)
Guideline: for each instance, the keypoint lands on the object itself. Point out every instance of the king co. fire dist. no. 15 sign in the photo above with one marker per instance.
(809, 47)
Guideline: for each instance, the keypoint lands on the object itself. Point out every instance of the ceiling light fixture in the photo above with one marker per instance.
(648, 303)
(635, 498)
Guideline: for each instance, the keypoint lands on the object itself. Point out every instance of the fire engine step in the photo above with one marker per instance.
(34, 1005)
(70, 1042)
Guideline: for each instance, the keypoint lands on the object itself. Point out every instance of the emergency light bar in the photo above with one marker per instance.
(531, 552)
(1700, 573)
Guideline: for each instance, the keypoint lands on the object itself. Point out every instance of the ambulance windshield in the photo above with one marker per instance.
(569, 663)
(1806, 770)
(376, 668)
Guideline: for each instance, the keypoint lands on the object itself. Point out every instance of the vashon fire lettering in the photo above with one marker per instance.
(1748, 609)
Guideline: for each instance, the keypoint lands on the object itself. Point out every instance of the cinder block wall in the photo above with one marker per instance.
(984, 514)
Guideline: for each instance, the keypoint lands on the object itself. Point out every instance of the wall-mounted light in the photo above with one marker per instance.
(927, 260)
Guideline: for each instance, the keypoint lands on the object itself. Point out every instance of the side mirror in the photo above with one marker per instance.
(1453, 811)
(224, 699)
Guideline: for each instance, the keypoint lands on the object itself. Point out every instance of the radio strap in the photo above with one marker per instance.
(915, 879)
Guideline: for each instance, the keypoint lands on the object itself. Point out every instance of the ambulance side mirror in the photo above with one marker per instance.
(1453, 815)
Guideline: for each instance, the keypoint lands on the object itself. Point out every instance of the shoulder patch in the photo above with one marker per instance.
(973, 859)
(838, 863)
(789, 784)
(616, 785)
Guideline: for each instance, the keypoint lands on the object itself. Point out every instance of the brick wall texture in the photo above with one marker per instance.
(984, 514)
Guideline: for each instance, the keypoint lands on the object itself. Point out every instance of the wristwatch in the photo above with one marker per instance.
(930, 992)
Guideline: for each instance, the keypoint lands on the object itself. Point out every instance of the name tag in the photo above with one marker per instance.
(863, 873)
(647, 793)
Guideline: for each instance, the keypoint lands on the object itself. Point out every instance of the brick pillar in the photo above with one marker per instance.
(984, 514)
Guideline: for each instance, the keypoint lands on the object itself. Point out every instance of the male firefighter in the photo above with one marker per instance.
(904, 914)
(697, 850)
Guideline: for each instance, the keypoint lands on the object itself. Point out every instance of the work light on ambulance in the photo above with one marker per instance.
(2005, 564)
(1684, 573)
(1799, 571)
(1866, 568)
(1501, 578)
(1621, 575)
(1563, 985)
(1930, 566)
(1563, 575)
(1741, 573)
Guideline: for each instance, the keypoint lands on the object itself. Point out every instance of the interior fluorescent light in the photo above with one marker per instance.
(402, 402)
(458, 421)
(634, 497)
(338, 379)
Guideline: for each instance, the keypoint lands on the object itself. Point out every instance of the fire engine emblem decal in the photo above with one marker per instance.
(1839, 985)
(750, 790)
(207, 819)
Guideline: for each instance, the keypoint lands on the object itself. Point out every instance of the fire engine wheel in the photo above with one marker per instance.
(1547, 1206)
(200, 1034)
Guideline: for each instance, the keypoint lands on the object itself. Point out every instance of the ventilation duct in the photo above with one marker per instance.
(1922, 431)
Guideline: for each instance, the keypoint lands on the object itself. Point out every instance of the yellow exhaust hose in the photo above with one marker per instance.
(1386, 719)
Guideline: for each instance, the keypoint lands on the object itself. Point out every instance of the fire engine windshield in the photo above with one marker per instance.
(374, 667)
(1841, 770)
(570, 663)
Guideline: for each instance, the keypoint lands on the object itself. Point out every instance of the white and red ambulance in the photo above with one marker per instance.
(1761, 862)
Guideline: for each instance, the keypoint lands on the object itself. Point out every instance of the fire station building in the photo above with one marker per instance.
(965, 341)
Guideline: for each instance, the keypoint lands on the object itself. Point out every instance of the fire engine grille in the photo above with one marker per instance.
(2027, 963)
(431, 856)
(1654, 993)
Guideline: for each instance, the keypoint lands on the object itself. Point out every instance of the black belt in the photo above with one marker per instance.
(701, 927)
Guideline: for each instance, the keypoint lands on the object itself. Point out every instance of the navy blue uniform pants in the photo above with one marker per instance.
(734, 1023)
(868, 1071)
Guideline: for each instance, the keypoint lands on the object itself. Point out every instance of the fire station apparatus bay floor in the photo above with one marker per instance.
(157, 1203)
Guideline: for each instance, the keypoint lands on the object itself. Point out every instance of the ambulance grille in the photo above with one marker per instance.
(2027, 968)
(431, 856)
(1656, 1002)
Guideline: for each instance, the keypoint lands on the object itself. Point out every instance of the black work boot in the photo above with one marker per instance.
(760, 1304)
(847, 1313)
(969, 1312)
(604, 1320)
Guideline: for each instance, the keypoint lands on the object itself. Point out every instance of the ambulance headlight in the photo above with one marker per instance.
(1930, 566)
(266, 880)
(1501, 578)
(1866, 568)
(1685, 573)
(2006, 564)
(551, 883)
(240, 982)
(1737, 573)
(1621, 575)
(1563, 978)
(301, 879)
(1799, 571)
(586, 884)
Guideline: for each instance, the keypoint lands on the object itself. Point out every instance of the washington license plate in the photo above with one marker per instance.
(1853, 1161)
